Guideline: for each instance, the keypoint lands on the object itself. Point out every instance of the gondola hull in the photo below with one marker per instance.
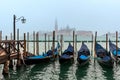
(114, 53)
(68, 55)
(83, 55)
(103, 57)
(45, 57)
(106, 64)
(64, 60)
(37, 61)
(83, 62)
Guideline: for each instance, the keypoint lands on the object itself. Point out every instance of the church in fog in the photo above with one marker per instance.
(69, 31)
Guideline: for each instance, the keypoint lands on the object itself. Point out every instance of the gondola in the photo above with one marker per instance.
(37, 59)
(112, 48)
(103, 57)
(83, 55)
(45, 57)
(67, 55)
(56, 51)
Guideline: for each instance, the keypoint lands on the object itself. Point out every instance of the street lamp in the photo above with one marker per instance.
(23, 20)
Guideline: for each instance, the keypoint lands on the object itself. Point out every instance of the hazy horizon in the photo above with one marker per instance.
(90, 15)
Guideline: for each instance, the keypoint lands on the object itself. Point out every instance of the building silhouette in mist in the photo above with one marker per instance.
(67, 31)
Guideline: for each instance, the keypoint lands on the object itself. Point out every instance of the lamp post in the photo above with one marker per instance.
(15, 19)
(23, 20)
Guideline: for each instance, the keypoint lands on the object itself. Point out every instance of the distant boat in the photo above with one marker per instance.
(68, 54)
(83, 55)
(45, 57)
(103, 56)
(115, 53)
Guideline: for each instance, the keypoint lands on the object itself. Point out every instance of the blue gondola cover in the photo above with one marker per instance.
(83, 57)
(36, 57)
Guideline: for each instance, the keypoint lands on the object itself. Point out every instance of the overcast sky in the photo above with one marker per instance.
(91, 15)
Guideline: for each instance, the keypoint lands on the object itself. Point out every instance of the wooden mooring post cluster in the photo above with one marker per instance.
(19, 49)
(9, 50)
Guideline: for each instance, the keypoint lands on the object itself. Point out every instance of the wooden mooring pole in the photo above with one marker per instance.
(28, 41)
(18, 51)
(6, 37)
(48, 42)
(25, 54)
(11, 37)
(0, 35)
(76, 44)
(73, 44)
(106, 42)
(92, 46)
(95, 46)
(116, 47)
(11, 61)
(34, 42)
(61, 42)
(37, 43)
(45, 42)
(53, 44)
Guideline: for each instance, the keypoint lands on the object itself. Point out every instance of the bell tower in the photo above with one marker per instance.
(56, 26)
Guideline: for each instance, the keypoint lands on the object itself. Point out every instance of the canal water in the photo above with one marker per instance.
(67, 71)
